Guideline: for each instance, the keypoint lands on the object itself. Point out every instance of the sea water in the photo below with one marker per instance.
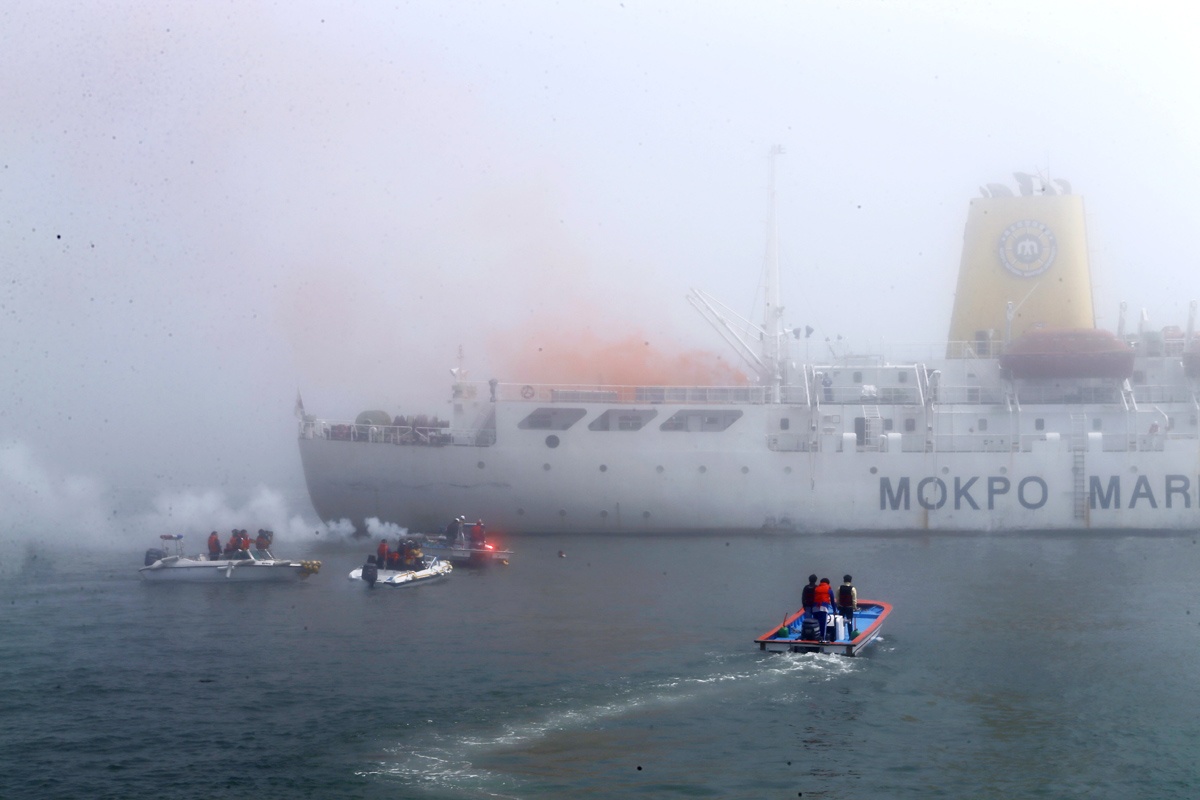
(1012, 666)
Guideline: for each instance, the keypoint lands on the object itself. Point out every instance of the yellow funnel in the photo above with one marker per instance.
(1030, 251)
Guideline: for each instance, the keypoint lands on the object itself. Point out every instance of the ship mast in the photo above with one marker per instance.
(774, 346)
(763, 347)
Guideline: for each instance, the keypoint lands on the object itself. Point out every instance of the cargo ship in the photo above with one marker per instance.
(1028, 418)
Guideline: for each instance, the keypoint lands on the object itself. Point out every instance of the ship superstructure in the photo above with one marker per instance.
(1029, 418)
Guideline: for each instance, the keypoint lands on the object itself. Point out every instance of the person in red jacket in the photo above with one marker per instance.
(823, 605)
(235, 540)
(214, 547)
(381, 557)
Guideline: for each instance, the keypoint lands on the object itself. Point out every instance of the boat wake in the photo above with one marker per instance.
(439, 762)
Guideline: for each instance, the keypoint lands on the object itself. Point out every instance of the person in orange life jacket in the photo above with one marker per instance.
(244, 545)
(822, 605)
(393, 561)
(847, 600)
(231, 546)
(262, 541)
(214, 547)
(381, 557)
(806, 596)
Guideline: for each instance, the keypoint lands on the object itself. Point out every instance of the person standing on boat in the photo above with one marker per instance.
(263, 540)
(235, 540)
(452, 531)
(806, 596)
(847, 601)
(381, 554)
(214, 547)
(823, 606)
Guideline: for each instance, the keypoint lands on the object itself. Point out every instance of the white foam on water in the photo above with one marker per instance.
(447, 762)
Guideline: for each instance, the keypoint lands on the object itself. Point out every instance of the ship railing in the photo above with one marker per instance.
(867, 394)
(982, 395)
(967, 443)
(395, 434)
(1158, 393)
(632, 395)
(1047, 395)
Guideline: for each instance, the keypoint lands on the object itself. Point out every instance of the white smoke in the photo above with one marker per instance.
(47, 508)
(384, 530)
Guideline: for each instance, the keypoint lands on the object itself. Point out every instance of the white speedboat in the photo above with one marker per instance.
(433, 569)
(246, 565)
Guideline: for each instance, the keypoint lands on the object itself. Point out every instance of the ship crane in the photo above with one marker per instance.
(763, 347)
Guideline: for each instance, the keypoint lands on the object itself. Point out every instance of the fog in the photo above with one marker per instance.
(206, 207)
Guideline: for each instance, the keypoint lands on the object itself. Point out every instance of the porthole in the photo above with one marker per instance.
(945, 470)
(1004, 470)
(604, 467)
(659, 469)
(703, 469)
(1133, 469)
(603, 515)
(745, 470)
(787, 470)
(546, 467)
(480, 465)
(645, 515)
(552, 441)
(874, 470)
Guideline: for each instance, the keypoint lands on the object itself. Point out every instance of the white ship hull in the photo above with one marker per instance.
(664, 482)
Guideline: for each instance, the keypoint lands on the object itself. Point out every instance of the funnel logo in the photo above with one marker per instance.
(1027, 248)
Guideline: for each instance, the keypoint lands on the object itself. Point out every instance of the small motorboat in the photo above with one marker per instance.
(799, 632)
(432, 569)
(245, 565)
(461, 552)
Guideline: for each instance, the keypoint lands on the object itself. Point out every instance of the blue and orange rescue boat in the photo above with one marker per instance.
(798, 634)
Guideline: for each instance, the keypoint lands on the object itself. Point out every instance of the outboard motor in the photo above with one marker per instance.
(370, 572)
(810, 631)
(154, 554)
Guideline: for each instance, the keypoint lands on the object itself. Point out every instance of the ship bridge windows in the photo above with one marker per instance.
(622, 420)
(910, 425)
(552, 419)
(705, 420)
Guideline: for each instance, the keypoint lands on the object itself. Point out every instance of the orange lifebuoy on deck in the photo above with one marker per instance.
(527, 392)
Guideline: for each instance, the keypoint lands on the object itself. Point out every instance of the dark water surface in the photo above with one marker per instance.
(1012, 667)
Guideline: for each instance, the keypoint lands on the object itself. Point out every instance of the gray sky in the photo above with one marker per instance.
(204, 206)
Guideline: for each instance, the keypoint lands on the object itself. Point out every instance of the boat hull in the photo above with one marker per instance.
(188, 571)
(407, 578)
(731, 483)
(874, 611)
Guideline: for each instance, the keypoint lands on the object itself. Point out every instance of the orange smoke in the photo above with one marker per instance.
(572, 355)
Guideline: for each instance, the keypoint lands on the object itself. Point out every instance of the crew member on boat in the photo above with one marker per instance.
(453, 530)
(823, 606)
(806, 596)
(263, 540)
(847, 601)
(214, 547)
(412, 554)
(235, 542)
